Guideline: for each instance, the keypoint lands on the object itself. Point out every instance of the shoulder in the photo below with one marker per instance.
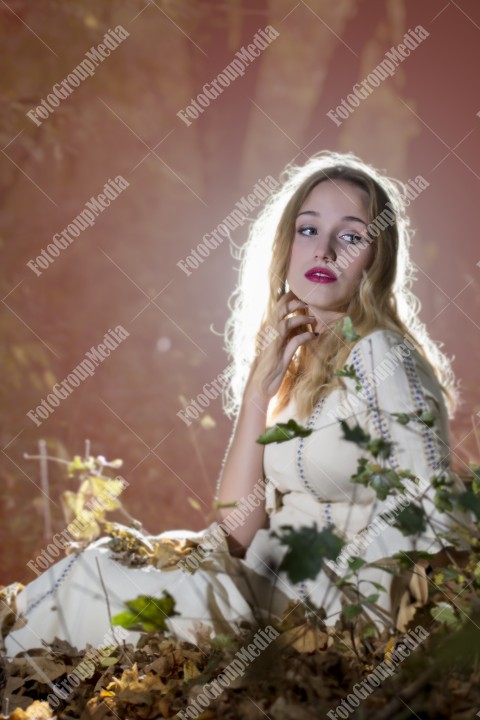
(393, 363)
(386, 344)
(382, 339)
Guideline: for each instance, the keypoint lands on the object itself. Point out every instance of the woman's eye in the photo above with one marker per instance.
(356, 238)
(307, 230)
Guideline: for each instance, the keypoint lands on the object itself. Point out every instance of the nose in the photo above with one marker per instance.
(324, 248)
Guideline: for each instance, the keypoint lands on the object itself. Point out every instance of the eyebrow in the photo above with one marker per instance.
(345, 217)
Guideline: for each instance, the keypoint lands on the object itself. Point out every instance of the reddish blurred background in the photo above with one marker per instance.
(183, 181)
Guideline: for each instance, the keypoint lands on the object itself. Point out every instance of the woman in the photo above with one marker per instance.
(333, 243)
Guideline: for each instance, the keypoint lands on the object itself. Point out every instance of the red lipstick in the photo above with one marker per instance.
(320, 275)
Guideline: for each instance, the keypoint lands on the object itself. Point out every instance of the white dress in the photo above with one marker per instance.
(308, 481)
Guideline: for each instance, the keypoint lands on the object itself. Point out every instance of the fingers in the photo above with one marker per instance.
(293, 344)
(289, 303)
(290, 323)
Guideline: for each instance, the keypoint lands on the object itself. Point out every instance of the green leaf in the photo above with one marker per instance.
(428, 418)
(362, 476)
(347, 329)
(350, 372)
(444, 613)
(355, 563)
(424, 416)
(411, 520)
(381, 484)
(469, 501)
(146, 613)
(475, 469)
(351, 611)
(222, 640)
(370, 599)
(281, 432)
(443, 500)
(380, 447)
(307, 548)
(369, 630)
(402, 418)
(442, 480)
(356, 434)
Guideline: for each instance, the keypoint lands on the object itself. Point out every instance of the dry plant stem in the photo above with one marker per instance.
(47, 516)
(47, 457)
(107, 601)
(355, 596)
(410, 691)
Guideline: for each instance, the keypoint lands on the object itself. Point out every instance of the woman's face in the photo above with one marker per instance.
(333, 217)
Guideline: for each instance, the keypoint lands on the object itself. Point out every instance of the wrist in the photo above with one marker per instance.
(253, 395)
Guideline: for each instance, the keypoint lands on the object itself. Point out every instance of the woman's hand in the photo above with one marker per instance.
(271, 365)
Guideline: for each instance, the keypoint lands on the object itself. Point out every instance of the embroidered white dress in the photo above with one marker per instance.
(308, 481)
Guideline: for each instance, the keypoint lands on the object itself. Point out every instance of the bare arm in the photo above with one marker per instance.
(243, 465)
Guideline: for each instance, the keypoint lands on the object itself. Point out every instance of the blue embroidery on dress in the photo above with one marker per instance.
(431, 450)
(327, 507)
(379, 422)
(327, 511)
(55, 586)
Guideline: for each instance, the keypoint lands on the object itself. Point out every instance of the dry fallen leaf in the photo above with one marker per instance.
(36, 711)
(306, 639)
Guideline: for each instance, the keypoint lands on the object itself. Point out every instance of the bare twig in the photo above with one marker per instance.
(410, 691)
(47, 516)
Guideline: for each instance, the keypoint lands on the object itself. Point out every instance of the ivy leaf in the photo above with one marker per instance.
(411, 520)
(469, 501)
(146, 613)
(356, 434)
(281, 432)
(307, 548)
(443, 480)
(443, 500)
(362, 476)
(380, 447)
(380, 483)
(350, 372)
(347, 330)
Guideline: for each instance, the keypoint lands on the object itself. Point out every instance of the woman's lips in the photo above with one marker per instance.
(320, 275)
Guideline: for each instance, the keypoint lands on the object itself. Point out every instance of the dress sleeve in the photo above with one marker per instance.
(394, 378)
